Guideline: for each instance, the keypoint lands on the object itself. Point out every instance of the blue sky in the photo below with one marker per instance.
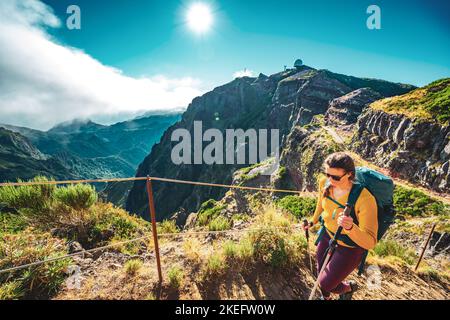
(150, 37)
(132, 57)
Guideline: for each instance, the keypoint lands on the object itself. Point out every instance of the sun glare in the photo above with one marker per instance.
(199, 18)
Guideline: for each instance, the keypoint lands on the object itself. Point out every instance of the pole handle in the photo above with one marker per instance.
(306, 226)
(347, 211)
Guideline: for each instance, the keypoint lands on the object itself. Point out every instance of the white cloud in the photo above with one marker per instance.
(43, 82)
(243, 73)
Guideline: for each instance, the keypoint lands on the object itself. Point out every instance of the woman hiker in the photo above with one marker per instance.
(335, 187)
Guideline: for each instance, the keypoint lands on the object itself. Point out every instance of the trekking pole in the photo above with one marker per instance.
(306, 225)
(329, 253)
(425, 247)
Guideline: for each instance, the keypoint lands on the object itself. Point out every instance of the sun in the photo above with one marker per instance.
(199, 17)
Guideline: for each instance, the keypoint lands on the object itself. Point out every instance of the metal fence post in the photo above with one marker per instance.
(151, 206)
(425, 247)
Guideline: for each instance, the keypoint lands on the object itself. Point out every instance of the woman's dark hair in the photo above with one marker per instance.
(339, 160)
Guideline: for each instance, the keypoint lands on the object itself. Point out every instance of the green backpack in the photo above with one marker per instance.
(382, 188)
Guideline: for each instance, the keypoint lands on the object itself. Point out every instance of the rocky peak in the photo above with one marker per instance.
(346, 109)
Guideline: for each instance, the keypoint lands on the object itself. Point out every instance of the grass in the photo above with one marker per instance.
(29, 246)
(272, 241)
(167, 226)
(133, 266)
(41, 219)
(230, 249)
(428, 272)
(299, 207)
(209, 210)
(27, 197)
(215, 266)
(390, 248)
(431, 102)
(11, 290)
(413, 202)
(219, 223)
(191, 248)
(175, 275)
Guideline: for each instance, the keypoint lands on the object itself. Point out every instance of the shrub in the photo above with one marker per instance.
(36, 197)
(108, 223)
(390, 248)
(12, 223)
(273, 241)
(298, 206)
(412, 202)
(78, 197)
(175, 275)
(269, 247)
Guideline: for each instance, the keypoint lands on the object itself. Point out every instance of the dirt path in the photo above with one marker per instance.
(108, 280)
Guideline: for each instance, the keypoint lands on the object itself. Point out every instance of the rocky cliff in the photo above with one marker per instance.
(410, 135)
(345, 110)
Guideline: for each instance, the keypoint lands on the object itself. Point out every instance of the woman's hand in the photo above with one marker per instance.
(345, 222)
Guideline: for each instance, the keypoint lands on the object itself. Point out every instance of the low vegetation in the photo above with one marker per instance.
(413, 202)
(38, 221)
(271, 241)
(299, 207)
(133, 266)
(431, 102)
(167, 226)
(390, 248)
(175, 275)
(209, 210)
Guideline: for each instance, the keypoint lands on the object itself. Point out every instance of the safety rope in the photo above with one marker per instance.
(168, 234)
(229, 186)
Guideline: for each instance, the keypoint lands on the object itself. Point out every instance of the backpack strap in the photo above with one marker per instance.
(352, 198)
(355, 192)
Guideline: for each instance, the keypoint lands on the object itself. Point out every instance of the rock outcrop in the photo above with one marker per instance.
(345, 110)
(416, 150)
(302, 158)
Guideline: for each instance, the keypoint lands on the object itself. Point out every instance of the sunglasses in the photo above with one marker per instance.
(336, 178)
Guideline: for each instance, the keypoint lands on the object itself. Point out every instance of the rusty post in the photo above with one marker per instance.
(425, 247)
(151, 206)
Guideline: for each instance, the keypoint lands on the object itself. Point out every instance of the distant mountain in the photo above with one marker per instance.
(84, 149)
(20, 159)
(76, 126)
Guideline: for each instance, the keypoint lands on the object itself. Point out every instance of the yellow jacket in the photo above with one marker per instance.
(365, 233)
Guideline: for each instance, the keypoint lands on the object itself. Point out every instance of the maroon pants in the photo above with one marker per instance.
(341, 264)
